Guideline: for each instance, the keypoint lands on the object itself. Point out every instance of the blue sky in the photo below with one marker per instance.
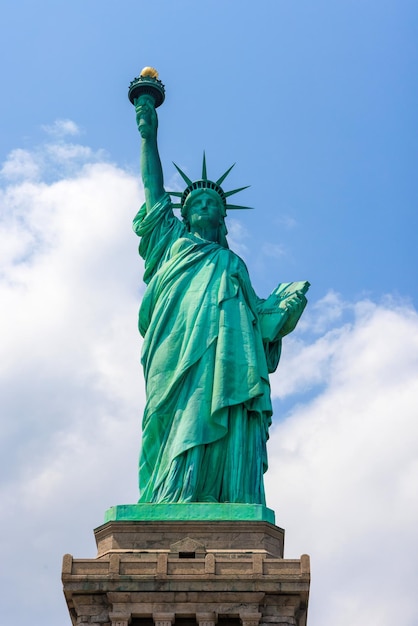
(316, 103)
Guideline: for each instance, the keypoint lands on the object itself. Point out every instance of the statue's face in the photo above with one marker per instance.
(204, 207)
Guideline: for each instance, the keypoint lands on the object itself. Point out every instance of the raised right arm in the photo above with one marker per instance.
(151, 169)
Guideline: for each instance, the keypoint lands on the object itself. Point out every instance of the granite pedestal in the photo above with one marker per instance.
(187, 573)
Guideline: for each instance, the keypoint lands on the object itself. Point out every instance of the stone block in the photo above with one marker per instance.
(214, 573)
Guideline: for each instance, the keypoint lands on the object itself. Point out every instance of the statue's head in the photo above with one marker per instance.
(210, 193)
(204, 207)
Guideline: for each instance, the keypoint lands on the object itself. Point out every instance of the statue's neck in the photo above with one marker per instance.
(210, 234)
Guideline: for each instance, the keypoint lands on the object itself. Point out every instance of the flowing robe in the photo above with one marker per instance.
(208, 408)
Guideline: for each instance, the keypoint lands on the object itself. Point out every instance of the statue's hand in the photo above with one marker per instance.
(294, 307)
(146, 116)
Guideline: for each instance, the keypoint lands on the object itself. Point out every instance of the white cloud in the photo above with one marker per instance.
(65, 152)
(52, 160)
(273, 250)
(237, 235)
(19, 165)
(344, 467)
(343, 464)
(70, 378)
(325, 312)
(62, 128)
(285, 221)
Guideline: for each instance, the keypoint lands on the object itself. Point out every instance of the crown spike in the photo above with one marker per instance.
(236, 206)
(222, 178)
(205, 183)
(231, 193)
(204, 173)
(183, 175)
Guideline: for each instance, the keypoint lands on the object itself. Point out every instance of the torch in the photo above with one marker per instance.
(147, 83)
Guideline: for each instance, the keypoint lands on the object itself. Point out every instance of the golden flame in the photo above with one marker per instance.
(149, 71)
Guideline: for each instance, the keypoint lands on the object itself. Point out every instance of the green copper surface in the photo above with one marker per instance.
(147, 83)
(209, 345)
(205, 183)
(190, 512)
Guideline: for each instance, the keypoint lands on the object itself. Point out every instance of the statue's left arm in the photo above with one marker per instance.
(294, 307)
(277, 322)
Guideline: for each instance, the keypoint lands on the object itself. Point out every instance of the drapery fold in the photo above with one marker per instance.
(208, 396)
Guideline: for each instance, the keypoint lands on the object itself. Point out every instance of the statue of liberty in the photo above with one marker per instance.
(209, 341)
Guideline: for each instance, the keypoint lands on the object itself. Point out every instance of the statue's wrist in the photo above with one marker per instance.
(149, 140)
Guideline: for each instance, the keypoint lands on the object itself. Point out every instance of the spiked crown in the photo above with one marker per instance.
(205, 183)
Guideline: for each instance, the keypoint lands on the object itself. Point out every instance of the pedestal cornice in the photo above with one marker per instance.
(208, 572)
